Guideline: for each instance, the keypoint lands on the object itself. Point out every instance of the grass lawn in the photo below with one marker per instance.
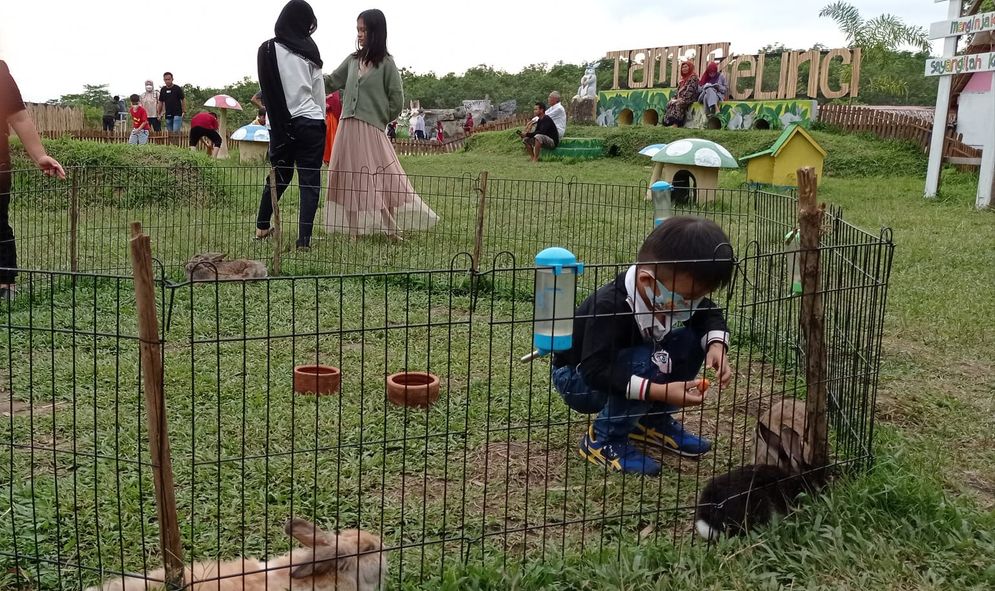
(921, 518)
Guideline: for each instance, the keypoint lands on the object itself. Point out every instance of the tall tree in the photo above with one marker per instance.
(885, 32)
(882, 40)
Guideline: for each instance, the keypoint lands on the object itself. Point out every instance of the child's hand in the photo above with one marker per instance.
(678, 393)
(718, 359)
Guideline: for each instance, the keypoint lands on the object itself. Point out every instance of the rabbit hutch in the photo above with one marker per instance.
(692, 167)
(150, 416)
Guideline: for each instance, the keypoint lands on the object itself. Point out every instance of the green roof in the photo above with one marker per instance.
(788, 132)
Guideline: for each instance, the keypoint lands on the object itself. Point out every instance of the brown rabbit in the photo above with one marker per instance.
(210, 266)
(353, 560)
(780, 437)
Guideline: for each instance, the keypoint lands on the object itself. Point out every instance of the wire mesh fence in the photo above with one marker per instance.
(76, 225)
(487, 475)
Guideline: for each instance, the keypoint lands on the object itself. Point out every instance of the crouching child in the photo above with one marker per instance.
(639, 343)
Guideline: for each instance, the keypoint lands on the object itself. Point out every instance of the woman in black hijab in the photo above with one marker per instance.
(290, 79)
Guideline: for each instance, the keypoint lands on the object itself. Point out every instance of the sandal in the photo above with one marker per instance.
(264, 234)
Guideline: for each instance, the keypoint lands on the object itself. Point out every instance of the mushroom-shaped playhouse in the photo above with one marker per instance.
(224, 103)
(692, 166)
(252, 141)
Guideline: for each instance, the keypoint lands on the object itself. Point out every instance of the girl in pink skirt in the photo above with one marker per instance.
(368, 191)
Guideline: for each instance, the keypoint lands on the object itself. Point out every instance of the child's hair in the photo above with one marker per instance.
(261, 113)
(696, 246)
(134, 99)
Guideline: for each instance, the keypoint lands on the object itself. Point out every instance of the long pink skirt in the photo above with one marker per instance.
(365, 178)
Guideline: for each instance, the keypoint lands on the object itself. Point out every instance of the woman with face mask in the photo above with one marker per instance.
(150, 101)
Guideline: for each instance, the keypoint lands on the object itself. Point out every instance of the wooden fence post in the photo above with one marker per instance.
(276, 228)
(478, 236)
(74, 221)
(155, 408)
(812, 317)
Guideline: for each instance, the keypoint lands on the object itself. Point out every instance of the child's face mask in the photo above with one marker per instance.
(679, 308)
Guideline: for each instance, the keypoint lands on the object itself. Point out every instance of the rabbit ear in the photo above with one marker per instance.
(794, 446)
(341, 554)
(305, 532)
(323, 560)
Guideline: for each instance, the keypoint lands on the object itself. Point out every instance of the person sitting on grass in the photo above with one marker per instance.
(543, 134)
(205, 125)
(639, 343)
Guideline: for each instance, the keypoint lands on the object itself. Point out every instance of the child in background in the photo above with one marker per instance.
(632, 364)
(333, 111)
(140, 125)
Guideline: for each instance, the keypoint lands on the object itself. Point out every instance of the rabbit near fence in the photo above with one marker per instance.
(352, 560)
(212, 266)
(752, 495)
(781, 437)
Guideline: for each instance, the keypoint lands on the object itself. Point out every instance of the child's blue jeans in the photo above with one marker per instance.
(618, 415)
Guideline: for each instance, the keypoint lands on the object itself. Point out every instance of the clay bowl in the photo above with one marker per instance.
(413, 388)
(316, 379)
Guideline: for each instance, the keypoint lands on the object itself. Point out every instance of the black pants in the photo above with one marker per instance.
(108, 122)
(196, 133)
(156, 124)
(8, 251)
(305, 152)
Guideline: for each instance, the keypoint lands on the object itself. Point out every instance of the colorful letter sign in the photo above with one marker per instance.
(961, 64)
(967, 25)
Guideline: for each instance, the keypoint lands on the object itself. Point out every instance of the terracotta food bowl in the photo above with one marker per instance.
(316, 379)
(413, 388)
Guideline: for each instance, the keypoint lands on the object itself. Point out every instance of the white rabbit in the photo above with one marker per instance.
(352, 560)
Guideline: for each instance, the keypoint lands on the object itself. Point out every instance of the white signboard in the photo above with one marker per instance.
(961, 64)
(968, 25)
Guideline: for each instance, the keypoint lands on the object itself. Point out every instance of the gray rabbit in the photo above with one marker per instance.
(780, 437)
(211, 266)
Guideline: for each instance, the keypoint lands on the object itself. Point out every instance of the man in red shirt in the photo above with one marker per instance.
(205, 125)
(139, 123)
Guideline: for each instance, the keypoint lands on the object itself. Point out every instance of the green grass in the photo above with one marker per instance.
(922, 518)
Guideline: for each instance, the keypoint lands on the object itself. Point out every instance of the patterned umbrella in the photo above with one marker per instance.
(697, 152)
(223, 101)
(251, 133)
(652, 150)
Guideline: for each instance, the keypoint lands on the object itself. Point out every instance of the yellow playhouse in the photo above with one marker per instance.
(778, 164)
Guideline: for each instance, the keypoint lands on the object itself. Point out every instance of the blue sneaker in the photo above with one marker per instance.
(669, 434)
(619, 456)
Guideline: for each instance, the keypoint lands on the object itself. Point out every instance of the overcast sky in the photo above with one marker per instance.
(53, 47)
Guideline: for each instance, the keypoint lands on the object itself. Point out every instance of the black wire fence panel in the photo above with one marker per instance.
(487, 475)
(75, 225)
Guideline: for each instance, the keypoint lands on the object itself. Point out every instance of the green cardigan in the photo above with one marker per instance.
(377, 98)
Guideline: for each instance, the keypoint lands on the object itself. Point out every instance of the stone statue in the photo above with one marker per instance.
(588, 84)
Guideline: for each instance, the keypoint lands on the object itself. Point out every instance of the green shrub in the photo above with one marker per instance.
(125, 176)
